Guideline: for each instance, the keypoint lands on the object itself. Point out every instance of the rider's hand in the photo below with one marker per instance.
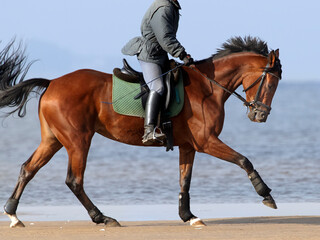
(186, 58)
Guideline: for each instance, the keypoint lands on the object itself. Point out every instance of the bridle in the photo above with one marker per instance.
(255, 104)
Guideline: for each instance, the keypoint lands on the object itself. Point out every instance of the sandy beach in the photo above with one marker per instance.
(227, 228)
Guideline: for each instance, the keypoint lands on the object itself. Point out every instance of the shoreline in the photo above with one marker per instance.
(294, 221)
(165, 212)
(249, 228)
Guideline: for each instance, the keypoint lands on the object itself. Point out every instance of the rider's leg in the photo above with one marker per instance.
(151, 74)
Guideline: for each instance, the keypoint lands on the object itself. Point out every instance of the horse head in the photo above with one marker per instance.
(260, 91)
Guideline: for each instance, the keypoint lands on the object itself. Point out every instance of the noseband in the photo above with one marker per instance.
(255, 103)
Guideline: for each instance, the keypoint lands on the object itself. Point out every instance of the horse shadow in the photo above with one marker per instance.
(304, 220)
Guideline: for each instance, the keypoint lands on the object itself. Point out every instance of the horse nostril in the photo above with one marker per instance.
(252, 115)
(262, 117)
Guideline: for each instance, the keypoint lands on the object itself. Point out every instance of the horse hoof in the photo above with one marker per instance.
(15, 222)
(18, 224)
(269, 202)
(112, 223)
(197, 222)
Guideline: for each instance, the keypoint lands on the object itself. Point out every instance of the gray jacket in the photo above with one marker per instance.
(158, 34)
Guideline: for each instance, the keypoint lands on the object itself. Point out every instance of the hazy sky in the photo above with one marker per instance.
(66, 35)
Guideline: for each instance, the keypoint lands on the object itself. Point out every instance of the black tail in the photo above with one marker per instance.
(14, 92)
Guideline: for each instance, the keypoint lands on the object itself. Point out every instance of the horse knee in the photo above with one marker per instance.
(245, 164)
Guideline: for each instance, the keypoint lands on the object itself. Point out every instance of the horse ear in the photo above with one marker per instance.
(271, 58)
(277, 53)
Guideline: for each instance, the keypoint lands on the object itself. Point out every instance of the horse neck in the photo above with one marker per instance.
(229, 71)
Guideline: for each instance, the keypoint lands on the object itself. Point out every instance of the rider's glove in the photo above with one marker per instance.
(186, 58)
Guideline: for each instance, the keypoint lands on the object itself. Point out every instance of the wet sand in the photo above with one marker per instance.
(299, 227)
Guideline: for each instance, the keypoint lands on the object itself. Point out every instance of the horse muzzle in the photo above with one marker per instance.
(259, 112)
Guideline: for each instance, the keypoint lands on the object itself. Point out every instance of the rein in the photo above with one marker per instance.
(255, 103)
(237, 95)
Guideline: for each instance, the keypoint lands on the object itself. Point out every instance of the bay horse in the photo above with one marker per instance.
(72, 109)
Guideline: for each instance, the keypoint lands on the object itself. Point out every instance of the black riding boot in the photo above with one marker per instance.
(152, 111)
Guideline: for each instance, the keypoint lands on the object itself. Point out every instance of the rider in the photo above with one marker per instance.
(158, 29)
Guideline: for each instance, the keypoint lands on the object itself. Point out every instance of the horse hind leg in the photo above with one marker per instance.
(76, 167)
(38, 159)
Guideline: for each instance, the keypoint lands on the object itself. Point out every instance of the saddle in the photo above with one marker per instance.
(128, 74)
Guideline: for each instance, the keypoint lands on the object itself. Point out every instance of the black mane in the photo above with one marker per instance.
(238, 44)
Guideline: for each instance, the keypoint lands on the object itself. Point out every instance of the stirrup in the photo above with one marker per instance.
(158, 136)
(153, 137)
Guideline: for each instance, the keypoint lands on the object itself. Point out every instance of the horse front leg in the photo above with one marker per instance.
(220, 150)
(186, 158)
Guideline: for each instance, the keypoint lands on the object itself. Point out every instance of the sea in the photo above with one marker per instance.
(285, 151)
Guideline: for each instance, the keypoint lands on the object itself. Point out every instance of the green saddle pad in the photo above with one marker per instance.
(123, 94)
